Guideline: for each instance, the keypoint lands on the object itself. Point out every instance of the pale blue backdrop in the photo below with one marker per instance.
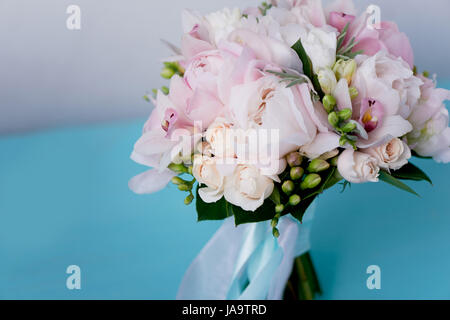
(64, 200)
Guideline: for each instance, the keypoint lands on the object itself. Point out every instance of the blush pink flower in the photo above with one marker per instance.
(430, 118)
(339, 20)
(386, 36)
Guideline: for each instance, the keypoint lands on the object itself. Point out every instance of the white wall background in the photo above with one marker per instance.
(50, 76)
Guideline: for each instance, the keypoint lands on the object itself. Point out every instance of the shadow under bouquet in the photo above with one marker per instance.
(269, 107)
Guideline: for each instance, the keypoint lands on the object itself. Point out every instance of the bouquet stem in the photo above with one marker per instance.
(303, 283)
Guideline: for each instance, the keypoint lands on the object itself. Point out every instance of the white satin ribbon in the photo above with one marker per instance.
(247, 262)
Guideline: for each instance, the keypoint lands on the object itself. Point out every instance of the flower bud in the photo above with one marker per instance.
(330, 154)
(327, 80)
(177, 181)
(274, 222)
(294, 200)
(311, 181)
(165, 90)
(288, 187)
(334, 161)
(276, 233)
(318, 165)
(333, 119)
(294, 159)
(279, 208)
(349, 127)
(189, 199)
(297, 173)
(167, 73)
(178, 168)
(184, 187)
(345, 114)
(344, 69)
(329, 102)
(353, 92)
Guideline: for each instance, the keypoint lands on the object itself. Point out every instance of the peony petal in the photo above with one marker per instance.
(192, 46)
(150, 181)
(324, 142)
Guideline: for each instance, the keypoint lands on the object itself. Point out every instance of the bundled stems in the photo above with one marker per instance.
(303, 283)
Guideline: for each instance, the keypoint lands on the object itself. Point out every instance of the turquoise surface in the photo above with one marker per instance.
(64, 201)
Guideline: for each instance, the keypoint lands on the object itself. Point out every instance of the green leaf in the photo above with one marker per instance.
(386, 177)
(264, 213)
(299, 211)
(307, 66)
(341, 38)
(332, 178)
(219, 210)
(411, 172)
(275, 196)
(345, 184)
(222, 209)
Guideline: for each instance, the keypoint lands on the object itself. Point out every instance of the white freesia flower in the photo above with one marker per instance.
(320, 45)
(206, 173)
(221, 23)
(358, 167)
(248, 188)
(327, 80)
(392, 155)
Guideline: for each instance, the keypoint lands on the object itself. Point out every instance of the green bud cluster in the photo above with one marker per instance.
(183, 185)
(297, 180)
(170, 69)
(340, 119)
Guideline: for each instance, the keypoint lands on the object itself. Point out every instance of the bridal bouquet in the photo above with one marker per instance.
(268, 108)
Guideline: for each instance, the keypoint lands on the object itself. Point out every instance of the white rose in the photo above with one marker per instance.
(206, 173)
(248, 188)
(220, 137)
(358, 167)
(392, 155)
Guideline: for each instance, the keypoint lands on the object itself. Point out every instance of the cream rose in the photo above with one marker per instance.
(248, 188)
(206, 173)
(392, 155)
(220, 136)
(358, 167)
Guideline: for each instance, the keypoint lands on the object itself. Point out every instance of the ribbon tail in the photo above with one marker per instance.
(209, 276)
